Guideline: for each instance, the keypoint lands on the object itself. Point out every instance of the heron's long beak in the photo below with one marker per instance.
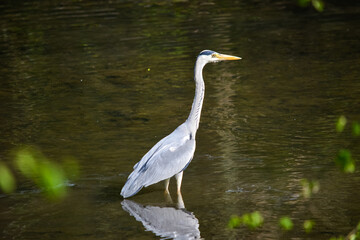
(227, 57)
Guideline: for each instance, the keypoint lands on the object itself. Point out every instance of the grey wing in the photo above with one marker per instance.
(167, 158)
(171, 160)
(151, 152)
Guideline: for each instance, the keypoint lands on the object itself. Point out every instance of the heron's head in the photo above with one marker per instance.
(211, 56)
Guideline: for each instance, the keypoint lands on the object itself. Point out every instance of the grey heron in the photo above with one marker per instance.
(172, 154)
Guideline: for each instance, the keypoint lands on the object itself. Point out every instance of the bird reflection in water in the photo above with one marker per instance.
(165, 222)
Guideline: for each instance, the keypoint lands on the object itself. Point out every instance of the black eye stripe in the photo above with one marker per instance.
(206, 52)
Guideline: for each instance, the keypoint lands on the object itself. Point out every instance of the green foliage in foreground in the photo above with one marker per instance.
(317, 4)
(356, 128)
(7, 180)
(308, 225)
(337, 238)
(309, 187)
(340, 124)
(355, 234)
(286, 223)
(49, 176)
(251, 220)
(343, 160)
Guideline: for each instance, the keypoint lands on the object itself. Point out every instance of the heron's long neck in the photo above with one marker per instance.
(194, 116)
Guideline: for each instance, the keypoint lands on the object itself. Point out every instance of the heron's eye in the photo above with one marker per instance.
(213, 55)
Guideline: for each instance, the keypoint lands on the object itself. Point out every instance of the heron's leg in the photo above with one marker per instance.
(180, 202)
(167, 181)
(179, 177)
(167, 193)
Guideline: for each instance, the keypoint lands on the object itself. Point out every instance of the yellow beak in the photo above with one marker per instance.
(227, 57)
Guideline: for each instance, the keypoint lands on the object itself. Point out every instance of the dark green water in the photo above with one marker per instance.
(104, 81)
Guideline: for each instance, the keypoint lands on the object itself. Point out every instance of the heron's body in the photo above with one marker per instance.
(172, 154)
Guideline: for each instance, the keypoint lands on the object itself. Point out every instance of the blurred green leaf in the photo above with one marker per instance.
(345, 161)
(52, 179)
(286, 223)
(318, 5)
(26, 162)
(355, 235)
(309, 187)
(356, 128)
(48, 175)
(7, 180)
(308, 225)
(303, 3)
(251, 220)
(352, 237)
(235, 221)
(341, 123)
(337, 238)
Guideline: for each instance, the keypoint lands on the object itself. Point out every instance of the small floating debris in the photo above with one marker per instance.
(237, 190)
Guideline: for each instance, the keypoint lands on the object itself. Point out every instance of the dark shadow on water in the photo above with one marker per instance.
(165, 222)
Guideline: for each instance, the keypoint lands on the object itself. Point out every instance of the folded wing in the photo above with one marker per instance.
(168, 157)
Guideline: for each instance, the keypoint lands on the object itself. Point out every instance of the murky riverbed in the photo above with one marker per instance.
(104, 81)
